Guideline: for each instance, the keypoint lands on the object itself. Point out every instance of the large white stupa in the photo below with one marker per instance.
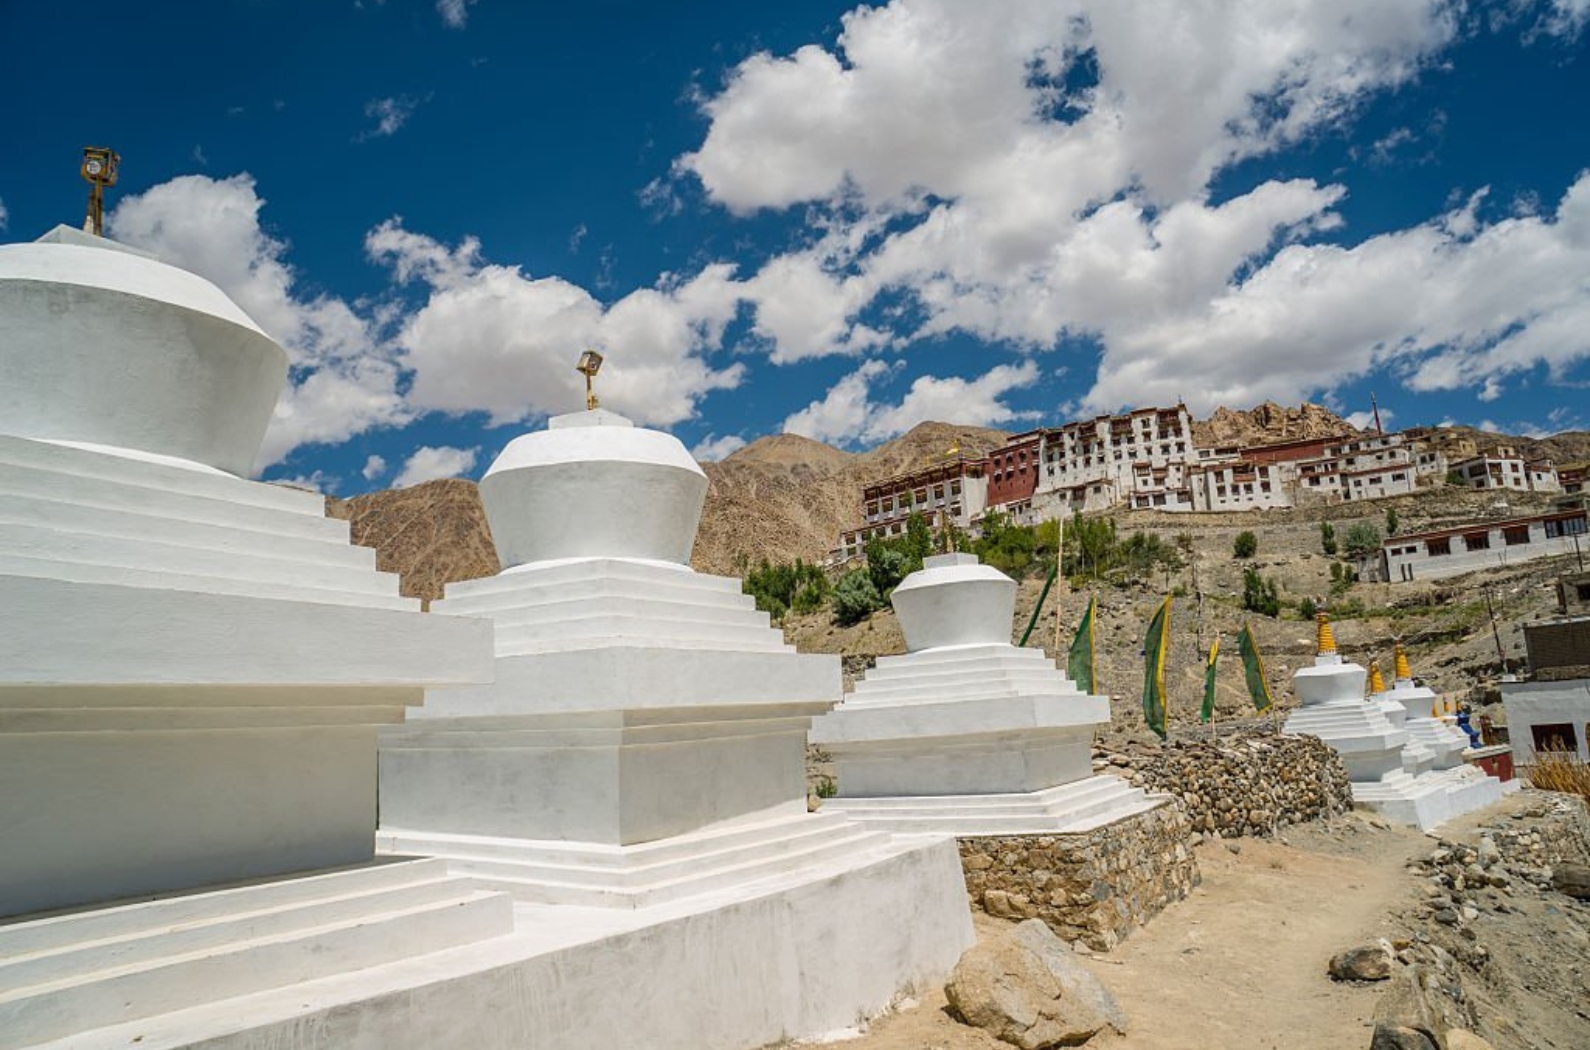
(1372, 747)
(635, 776)
(192, 671)
(966, 733)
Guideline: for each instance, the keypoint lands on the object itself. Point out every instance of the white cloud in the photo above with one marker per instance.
(374, 467)
(455, 12)
(490, 338)
(428, 464)
(848, 413)
(1365, 420)
(712, 448)
(949, 163)
(342, 382)
(389, 114)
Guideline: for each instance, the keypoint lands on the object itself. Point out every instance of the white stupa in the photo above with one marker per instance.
(1334, 709)
(1417, 758)
(1468, 786)
(637, 769)
(192, 671)
(966, 733)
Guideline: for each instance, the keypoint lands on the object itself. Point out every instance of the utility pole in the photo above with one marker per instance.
(1501, 654)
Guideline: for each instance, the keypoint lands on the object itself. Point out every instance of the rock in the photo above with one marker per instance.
(1572, 879)
(1028, 989)
(1234, 847)
(1369, 962)
(1463, 1039)
(1396, 1037)
(1447, 917)
(1470, 913)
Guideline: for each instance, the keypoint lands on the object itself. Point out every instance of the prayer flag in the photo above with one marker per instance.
(1208, 711)
(1080, 665)
(1154, 648)
(1253, 669)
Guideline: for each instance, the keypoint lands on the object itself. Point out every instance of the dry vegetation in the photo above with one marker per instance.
(1561, 771)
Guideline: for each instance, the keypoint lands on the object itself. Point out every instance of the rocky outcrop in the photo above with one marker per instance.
(1269, 423)
(430, 535)
(1026, 988)
(1095, 886)
(1252, 784)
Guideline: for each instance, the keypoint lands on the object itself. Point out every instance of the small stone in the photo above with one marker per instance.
(1470, 913)
(1234, 847)
(1447, 917)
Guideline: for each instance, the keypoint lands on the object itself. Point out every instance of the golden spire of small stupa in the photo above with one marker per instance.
(1402, 672)
(1377, 684)
(1435, 709)
(1327, 638)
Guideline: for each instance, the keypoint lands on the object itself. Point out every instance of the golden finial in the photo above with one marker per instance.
(1377, 684)
(1327, 638)
(1403, 672)
(1435, 709)
(590, 364)
(99, 168)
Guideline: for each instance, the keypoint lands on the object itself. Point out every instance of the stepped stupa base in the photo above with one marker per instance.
(68, 972)
(643, 875)
(1079, 806)
(1430, 799)
(796, 955)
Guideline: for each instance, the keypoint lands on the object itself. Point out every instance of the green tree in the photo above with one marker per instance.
(1392, 521)
(789, 585)
(1327, 537)
(1362, 539)
(1246, 545)
(1307, 608)
(855, 597)
(887, 564)
(1260, 595)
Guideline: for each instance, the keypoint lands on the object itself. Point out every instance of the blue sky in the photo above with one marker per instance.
(836, 219)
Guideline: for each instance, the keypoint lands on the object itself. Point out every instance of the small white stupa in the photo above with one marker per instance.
(966, 733)
(192, 670)
(1334, 709)
(635, 776)
(1468, 786)
(1417, 759)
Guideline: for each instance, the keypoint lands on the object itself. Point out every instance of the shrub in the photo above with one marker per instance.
(1392, 521)
(855, 597)
(826, 788)
(1362, 539)
(1306, 609)
(1246, 545)
(791, 585)
(1560, 771)
(1327, 537)
(1260, 595)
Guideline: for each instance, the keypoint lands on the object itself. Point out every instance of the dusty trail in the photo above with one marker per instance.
(1240, 963)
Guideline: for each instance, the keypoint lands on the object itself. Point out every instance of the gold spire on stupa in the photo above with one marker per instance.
(1327, 638)
(1377, 684)
(1402, 672)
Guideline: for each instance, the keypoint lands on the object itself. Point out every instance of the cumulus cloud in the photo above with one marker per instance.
(1039, 170)
(493, 339)
(429, 463)
(455, 12)
(389, 114)
(341, 383)
(712, 448)
(848, 413)
(374, 467)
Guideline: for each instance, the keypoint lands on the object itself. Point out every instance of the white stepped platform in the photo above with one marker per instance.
(790, 956)
(650, 873)
(1079, 806)
(66, 973)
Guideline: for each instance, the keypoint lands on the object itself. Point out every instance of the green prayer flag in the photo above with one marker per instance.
(1253, 669)
(1208, 711)
(1080, 664)
(1154, 648)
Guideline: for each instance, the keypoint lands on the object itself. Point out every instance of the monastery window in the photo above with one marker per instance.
(1477, 541)
(1566, 527)
(1399, 477)
(1437, 548)
(1314, 481)
(1554, 736)
(1264, 486)
(1514, 535)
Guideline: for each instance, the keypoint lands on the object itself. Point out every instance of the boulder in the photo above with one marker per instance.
(1026, 988)
(1572, 879)
(1368, 962)
(1396, 1037)
(1463, 1039)
(1406, 1007)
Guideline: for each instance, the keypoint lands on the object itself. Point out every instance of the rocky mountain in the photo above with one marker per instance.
(431, 535)
(1268, 423)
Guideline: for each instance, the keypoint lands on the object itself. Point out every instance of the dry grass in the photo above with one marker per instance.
(1561, 771)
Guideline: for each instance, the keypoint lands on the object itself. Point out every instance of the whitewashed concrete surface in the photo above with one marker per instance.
(133, 353)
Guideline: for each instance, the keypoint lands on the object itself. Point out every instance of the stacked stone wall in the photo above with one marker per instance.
(1251, 784)
(1096, 886)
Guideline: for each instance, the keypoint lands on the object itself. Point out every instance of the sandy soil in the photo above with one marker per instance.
(1241, 963)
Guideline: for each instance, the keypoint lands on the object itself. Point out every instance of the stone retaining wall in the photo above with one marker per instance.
(1250, 784)
(1096, 886)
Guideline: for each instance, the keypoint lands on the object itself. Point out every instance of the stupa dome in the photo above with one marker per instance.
(955, 600)
(593, 485)
(102, 345)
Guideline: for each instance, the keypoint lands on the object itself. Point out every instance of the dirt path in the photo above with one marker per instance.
(1240, 963)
